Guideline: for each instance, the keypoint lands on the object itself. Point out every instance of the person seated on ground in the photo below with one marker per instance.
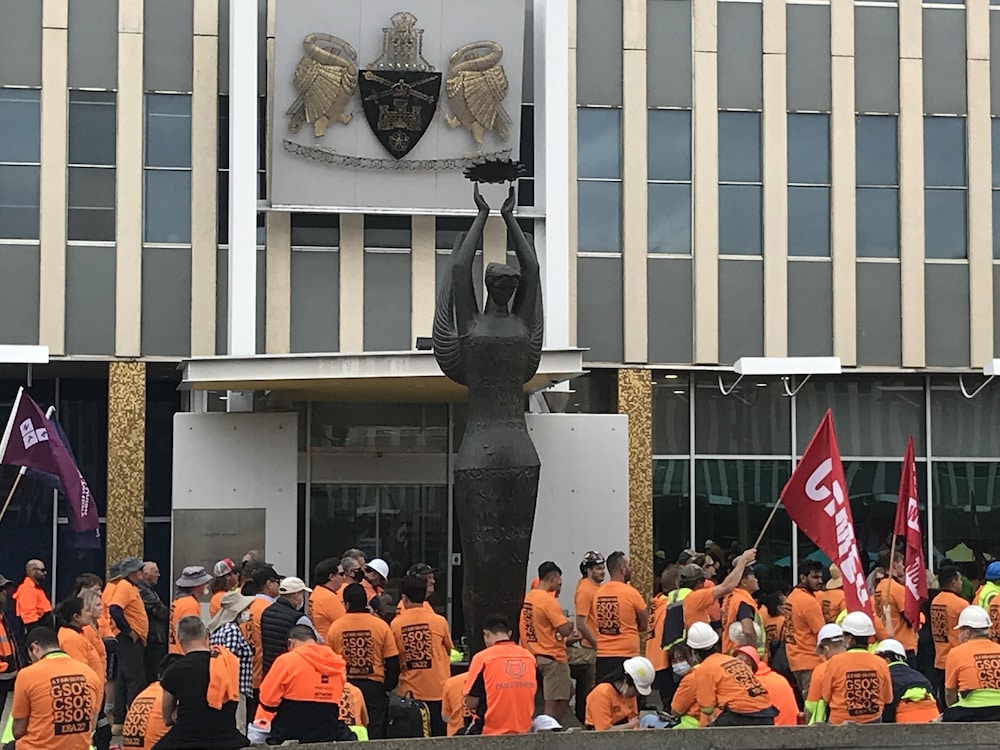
(353, 711)
(200, 694)
(856, 684)
(299, 696)
(781, 691)
(971, 682)
(612, 703)
(683, 663)
(144, 724)
(913, 701)
(829, 641)
(454, 712)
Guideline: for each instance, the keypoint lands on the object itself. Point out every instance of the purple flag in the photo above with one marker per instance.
(31, 440)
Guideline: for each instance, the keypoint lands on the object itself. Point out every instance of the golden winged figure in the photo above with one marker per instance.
(325, 80)
(477, 84)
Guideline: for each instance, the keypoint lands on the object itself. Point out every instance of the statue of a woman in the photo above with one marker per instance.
(493, 352)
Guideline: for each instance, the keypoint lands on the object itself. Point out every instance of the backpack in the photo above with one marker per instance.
(407, 717)
(673, 623)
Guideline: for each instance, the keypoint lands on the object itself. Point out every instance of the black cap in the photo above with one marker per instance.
(420, 569)
(264, 574)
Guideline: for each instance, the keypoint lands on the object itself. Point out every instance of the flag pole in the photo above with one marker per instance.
(10, 495)
(767, 522)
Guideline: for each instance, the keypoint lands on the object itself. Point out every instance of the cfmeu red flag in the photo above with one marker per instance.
(907, 527)
(816, 499)
(31, 440)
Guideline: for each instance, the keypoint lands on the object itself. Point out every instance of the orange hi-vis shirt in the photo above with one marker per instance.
(654, 652)
(365, 641)
(127, 597)
(725, 682)
(324, 607)
(586, 590)
(541, 615)
(32, 603)
(685, 700)
(7, 647)
(945, 609)
(739, 605)
(503, 676)
(423, 640)
(104, 627)
(973, 665)
(615, 610)
(353, 710)
(698, 606)
(607, 708)
(856, 686)
(801, 629)
(77, 646)
(774, 627)
(59, 697)
(833, 603)
(253, 635)
(144, 725)
(308, 673)
(782, 696)
(182, 606)
(98, 643)
(816, 683)
(453, 708)
(426, 605)
(215, 603)
(893, 593)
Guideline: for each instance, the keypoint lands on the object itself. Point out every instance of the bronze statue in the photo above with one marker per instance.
(493, 352)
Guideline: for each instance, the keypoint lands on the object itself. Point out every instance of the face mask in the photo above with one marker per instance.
(681, 668)
(358, 574)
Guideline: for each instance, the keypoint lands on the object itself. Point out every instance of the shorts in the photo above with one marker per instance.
(556, 682)
(111, 663)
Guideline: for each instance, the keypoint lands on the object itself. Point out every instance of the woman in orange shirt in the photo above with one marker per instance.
(684, 705)
(612, 703)
(72, 619)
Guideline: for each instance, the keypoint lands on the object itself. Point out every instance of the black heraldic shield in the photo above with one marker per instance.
(399, 106)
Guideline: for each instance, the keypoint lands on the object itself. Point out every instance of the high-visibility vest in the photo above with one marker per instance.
(673, 623)
(988, 600)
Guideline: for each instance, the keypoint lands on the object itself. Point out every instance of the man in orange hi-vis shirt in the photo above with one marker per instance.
(619, 613)
(131, 628)
(500, 686)
(192, 587)
(544, 629)
(803, 623)
(856, 685)
(698, 602)
(325, 604)
(225, 578)
(10, 660)
(453, 708)
(890, 599)
(33, 606)
(831, 598)
(945, 610)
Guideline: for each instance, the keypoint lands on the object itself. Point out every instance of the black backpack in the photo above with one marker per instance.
(407, 717)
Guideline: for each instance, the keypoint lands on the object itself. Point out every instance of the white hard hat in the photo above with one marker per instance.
(858, 623)
(642, 672)
(701, 636)
(973, 617)
(829, 632)
(891, 646)
(379, 566)
(736, 634)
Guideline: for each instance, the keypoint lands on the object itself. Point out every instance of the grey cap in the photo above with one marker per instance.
(691, 572)
(129, 565)
(115, 571)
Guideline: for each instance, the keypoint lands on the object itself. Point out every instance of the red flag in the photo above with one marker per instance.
(31, 440)
(907, 527)
(816, 499)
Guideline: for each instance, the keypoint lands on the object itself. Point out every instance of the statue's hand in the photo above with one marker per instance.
(508, 205)
(481, 203)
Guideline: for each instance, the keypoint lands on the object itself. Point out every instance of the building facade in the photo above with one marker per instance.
(708, 180)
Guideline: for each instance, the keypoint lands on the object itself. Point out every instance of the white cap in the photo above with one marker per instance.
(858, 623)
(642, 672)
(701, 636)
(973, 617)
(891, 646)
(379, 566)
(829, 632)
(292, 585)
(544, 723)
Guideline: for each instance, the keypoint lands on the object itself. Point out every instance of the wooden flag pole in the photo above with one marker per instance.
(10, 494)
(767, 523)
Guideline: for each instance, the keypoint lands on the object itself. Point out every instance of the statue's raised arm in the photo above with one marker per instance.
(527, 304)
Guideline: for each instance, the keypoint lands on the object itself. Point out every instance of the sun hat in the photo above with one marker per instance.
(379, 566)
(224, 567)
(828, 632)
(129, 565)
(974, 617)
(836, 579)
(891, 646)
(858, 623)
(292, 585)
(233, 602)
(641, 670)
(701, 636)
(4, 581)
(193, 575)
(114, 571)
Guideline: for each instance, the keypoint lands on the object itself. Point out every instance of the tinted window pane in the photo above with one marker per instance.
(168, 206)
(168, 130)
(91, 187)
(599, 217)
(944, 151)
(387, 231)
(996, 224)
(20, 123)
(669, 144)
(739, 220)
(669, 215)
(753, 420)
(878, 222)
(809, 221)
(809, 149)
(740, 58)
(599, 142)
(877, 148)
(91, 127)
(317, 230)
(19, 202)
(944, 223)
(995, 124)
(739, 146)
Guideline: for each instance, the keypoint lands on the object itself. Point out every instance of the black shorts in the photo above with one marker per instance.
(112, 660)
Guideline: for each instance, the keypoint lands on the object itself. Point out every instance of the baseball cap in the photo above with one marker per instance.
(891, 646)
(829, 632)
(545, 723)
(420, 569)
(292, 585)
(224, 567)
(858, 623)
(379, 566)
(974, 617)
(691, 572)
(993, 571)
(265, 573)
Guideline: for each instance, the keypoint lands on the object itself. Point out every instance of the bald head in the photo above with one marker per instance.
(35, 570)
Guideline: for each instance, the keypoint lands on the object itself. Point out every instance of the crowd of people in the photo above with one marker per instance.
(276, 660)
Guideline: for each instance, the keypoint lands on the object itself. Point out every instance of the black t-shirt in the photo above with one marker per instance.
(198, 725)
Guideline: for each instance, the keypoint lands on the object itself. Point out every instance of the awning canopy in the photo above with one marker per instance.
(379, 376)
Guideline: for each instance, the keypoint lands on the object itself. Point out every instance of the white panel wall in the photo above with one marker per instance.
(582, 492)
(225, 461)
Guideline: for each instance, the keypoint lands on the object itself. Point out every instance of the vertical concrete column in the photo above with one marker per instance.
(204, 176)
(278, 282)
(571, 172)
(126, 459)
(774, 137)
(634, 193)
(843, 182)
(128, 181)
(635, 399)
(911, 180)
(423, 282)
(52, 216)
(705, 190)
(978, 149)
(352, 283)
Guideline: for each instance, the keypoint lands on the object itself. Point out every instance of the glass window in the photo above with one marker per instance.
(20, 123)
(996, 224)
(168, 130)
(315, 230)
(447, 229)
(877, 149)
(92, 127)
(944, 151)
(739, 147)
(755, 419)
(809, 221)
(91, 204)
(877, 222)
(740, 220)
(964, 428)
(995, 132)
(379, 428)
(598, 143)
(966, 510)
(944, 223)
(671, 510)
(669, 141)
(671, 412)
(168, 206)
(387, 231)
(809, 149)
(599, 216)
(669, 218)
(19, 186)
